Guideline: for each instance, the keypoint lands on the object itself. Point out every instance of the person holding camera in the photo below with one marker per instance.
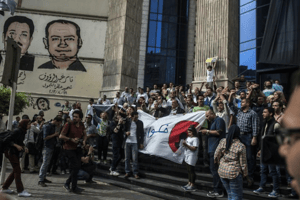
(88, 166)
(75, 137)
(50, 139)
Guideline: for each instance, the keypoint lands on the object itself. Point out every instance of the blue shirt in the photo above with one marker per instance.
(213, 140)
(49, 129)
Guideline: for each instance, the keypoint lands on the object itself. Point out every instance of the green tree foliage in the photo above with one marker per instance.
(21, 101)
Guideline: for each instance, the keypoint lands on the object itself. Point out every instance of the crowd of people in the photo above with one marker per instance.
(229, 141)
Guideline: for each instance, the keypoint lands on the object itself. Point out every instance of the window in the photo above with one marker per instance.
(167, 42)
(253, 16)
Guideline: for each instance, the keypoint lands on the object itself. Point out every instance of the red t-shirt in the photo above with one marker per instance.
(74, 132)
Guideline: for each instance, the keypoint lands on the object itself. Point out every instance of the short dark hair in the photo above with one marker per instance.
(134, 113)
(25, 116)
(270, 110)
(78, 112)
(20, 19)
(58, 118)
(209, 88)
(279, 102)
(62, 21)
(92, 100)
(60, 111)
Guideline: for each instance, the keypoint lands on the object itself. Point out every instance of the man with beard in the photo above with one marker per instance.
(248, 122)
(74, 135)
(91, 130)
(268, 128)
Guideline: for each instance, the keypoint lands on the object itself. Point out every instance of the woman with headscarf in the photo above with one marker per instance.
(13, 153)
(232, 160)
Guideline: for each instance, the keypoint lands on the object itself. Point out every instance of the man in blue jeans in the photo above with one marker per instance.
(268, 128)
(134, 140)
(248, 122)
(50, 139)
(214, 135)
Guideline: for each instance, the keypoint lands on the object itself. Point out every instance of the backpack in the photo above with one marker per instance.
(5, 139)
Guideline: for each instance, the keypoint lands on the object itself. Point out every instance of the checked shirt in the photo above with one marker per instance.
(233, 162)
(248, 121)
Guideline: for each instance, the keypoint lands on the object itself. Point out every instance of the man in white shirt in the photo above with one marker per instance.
(119, 100)
(172, 97)
(103, 101)
(155, 89)
(142, 94)
(131, 99)
(71, 112)
(125, 94)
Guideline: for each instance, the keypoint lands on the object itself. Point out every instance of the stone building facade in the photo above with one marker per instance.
(113, 47)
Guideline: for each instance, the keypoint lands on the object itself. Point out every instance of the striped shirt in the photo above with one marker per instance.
(248, 121)
(233, 162)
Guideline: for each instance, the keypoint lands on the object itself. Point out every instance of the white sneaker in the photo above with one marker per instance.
(114, 173)
(24, 194)
(7, 191)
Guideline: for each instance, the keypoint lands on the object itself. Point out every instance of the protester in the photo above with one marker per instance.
(268, 128)
(49, 135)
(191, 145)
(214, 135)
(91, 131)
(230, 155)
(117, 135)
(16, 147)
(268, 89)
(222, 109)
(103, 133)
(248, 122)
(134, 140)
(174, 109)
(66, 109)
(15, 123)
(74, 134)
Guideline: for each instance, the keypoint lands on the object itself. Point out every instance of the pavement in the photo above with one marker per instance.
(55, 190)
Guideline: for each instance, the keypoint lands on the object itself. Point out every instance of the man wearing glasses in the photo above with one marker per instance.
(290, 145)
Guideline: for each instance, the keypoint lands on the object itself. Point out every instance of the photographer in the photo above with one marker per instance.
(73, 134)
(88, 166)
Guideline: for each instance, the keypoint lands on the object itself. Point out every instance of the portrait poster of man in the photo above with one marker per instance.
(63, 42)
(21, 29)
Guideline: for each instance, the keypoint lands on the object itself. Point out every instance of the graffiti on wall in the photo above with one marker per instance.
(63, 42)
(50, 48)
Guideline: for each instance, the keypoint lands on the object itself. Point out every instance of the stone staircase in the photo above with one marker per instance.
(163, 179)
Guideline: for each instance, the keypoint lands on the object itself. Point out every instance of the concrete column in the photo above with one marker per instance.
(122, 45)
(143, 43)
(191, 42)
(217, 34)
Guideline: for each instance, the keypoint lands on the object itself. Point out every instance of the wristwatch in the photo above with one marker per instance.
(207, 132)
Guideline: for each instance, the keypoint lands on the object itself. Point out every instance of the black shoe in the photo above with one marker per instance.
(43, 184)
(47, 181)
(77, 190)
(81, 189)
(67, 187)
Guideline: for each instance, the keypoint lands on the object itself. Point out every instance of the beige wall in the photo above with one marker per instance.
(51, 87)
(78, 7)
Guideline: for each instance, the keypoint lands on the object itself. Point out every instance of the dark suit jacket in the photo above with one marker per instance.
(75, 66)
(169, 109)
(139, 131)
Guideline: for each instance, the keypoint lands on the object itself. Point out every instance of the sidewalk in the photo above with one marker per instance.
(55, 190)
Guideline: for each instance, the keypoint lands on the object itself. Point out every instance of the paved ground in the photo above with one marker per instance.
(55, 190)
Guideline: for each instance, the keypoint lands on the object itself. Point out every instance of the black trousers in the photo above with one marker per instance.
(75, 164)
(117, 155)
(191, 173)
(102, 147)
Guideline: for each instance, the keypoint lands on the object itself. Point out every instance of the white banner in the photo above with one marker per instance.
(163, 136)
